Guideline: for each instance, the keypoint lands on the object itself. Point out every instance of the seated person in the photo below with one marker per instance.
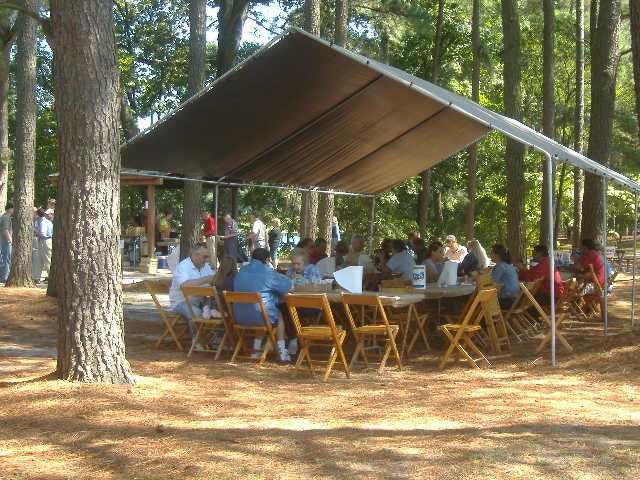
(541, 270)
(357, 257)
(506, 274)
(328, 266)
(476, 259)
(223, 279)
(589, 255)
(434, 262)
(454, 251)
(302, 271)
(257, 276)
(192, 271)
(400, 262)
(319, 251)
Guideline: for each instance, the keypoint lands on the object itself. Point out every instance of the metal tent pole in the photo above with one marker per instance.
(605, 316)
(552, 266)
(373, 217)
(635, 243)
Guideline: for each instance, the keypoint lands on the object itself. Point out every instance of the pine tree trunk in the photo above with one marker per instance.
(548, 113)
(91, 344)
(424, 201)
(634, 26)
(231, 17)
(578, 125)
(472, 163)
(312, 16)
(21, 272)
(192, 206)
(341, 22)
(604, 62)
(5, 153)
(325, 215)
(516, 233)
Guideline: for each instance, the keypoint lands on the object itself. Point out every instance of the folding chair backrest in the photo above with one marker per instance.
(245, 297)
(393, 282)
(397, 289)
(484, 280)
(534, 303)
(155, 288)
(199, 291)
(320, 302)
(475, 313)
(373, 301)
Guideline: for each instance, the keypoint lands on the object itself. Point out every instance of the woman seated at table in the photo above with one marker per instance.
(506, 274)
(541, 270)
(476, 259)
(223, 279)
(434, 262)
(303, 272)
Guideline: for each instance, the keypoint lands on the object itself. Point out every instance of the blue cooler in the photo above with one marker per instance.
(162, 261)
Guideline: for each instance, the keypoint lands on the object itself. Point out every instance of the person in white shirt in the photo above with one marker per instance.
(44, 232)
(258, 236)
(401, 261)
(192, 271)
(454, 251)
(357, 257)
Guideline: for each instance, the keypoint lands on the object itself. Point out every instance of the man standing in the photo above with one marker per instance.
(6, 241)
(259, 277)
(258, 236)
(209, 233)
(454, 252)
(44, 233)
(190, 272)
(231, 245)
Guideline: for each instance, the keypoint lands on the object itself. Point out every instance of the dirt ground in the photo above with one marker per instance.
(199, 419)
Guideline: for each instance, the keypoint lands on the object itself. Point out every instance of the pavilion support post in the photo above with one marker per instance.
(373, 218)
(151, 219)
(215, 216)
(605, 286)
(552, 266)
(633, 270)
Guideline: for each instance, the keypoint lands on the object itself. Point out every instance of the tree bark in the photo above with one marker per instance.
(21, 273)
(341, 22)
(424, 201)
(312, 16)
(604, 62)
(192, 206)
(548, 113)
(472, 162)
(325, 215)
(6, 41)
(231, 17)
(516, 232)
(634, 26)
(578, 125)
(91, 344)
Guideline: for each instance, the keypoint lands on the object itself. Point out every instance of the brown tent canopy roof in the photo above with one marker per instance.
(304, 112)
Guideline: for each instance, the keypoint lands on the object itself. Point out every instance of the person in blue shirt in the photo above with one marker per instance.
(506, 274)
(257, 276)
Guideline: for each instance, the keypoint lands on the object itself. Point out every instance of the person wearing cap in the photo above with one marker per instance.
(541, 270)
(44, 232)
(453, 251)
(6, 242)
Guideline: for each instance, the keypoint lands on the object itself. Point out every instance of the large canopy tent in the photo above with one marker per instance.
(303, 111)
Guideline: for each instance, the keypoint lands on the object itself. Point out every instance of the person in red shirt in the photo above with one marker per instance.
(590, 255)
(209, 234)
(541, 270)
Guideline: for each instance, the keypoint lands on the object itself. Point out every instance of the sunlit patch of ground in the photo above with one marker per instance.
(199, 419)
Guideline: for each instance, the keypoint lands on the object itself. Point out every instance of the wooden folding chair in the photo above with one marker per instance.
(371, 332)
(317, 336)
(412, 323)
(211, 333)
(169, 318)
(244, 332)
(518, 319)
(569, 304)
(461, 334)
(545, 318)
(593, 301)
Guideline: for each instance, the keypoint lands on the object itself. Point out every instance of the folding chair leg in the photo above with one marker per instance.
(343, 358)
(383, 362)
(332, 359)
(239, 345)
(472, 346)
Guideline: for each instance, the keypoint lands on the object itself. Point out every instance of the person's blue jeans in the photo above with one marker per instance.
(183, 310)
(5, 260)
(273, 253)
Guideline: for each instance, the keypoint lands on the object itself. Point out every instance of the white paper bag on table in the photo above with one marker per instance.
(350, 278)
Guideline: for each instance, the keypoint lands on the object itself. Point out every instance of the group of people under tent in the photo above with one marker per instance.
(42, 238)
(311, 263)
